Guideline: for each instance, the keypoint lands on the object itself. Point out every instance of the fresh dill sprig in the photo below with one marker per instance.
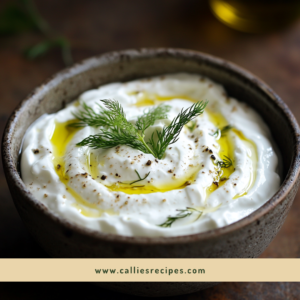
(225, 163)
(149, 118)
(117, 130)
(105, 117)
(170, 134)
(192, 126)
(140, 178)
(221, 132)
(183, 213)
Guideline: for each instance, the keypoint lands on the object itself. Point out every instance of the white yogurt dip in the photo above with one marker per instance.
(91, 187)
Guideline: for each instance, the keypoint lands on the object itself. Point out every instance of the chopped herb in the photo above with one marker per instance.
(183, 213)
(216, 134)
(140, 178)
(225, 129)
(192, 125)
(224, 178)
(221, 132)
(225, 163)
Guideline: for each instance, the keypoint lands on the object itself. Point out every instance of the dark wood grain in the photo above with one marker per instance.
(94, 27)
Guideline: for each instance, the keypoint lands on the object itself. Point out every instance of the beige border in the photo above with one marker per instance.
(214, 270)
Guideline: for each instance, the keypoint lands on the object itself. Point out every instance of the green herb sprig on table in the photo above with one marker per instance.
(20, 16)
(183, 213)
(117, 130)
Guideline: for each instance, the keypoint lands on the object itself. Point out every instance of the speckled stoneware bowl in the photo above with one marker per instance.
(246, 238)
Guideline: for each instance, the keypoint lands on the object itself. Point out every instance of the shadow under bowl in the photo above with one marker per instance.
(246, 238)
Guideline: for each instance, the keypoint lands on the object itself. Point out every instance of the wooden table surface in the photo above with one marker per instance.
(95, 27)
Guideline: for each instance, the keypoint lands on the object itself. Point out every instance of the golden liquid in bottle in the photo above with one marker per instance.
(256, 16)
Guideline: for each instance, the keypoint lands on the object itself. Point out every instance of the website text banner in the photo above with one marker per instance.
(214, 270)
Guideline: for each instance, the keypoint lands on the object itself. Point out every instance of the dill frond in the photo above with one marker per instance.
(170, 134)
(225, 129)
(225, 163)
(116, 130)
(183, 213)
(149, 118)
(105, 117)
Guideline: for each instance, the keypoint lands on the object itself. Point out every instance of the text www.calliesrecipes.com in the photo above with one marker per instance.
(137, 270)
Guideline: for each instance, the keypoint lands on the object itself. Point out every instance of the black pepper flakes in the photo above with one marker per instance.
(58, 166)
(36, 151)
(213, 157)
(216, 183)
(148, 163)
(103, 177)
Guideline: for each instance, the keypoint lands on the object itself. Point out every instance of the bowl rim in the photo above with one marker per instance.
(89, 63)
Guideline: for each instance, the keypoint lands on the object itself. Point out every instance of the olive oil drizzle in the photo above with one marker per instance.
(227, 149)
(61, 137)
(63, 134)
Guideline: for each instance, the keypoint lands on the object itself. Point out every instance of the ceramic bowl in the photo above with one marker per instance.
(246, 238)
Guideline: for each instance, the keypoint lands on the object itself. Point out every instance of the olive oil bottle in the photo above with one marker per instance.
(256, 16)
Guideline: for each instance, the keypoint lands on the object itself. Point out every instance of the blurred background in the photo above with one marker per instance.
(39, 38)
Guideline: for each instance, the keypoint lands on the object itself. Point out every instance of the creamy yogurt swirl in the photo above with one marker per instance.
(91, 187)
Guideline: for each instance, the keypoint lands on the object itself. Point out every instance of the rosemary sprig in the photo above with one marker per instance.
(183, 213)
(170, 134)
(225, 163)
(117, 130)
(221, 132)
(140, 178)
